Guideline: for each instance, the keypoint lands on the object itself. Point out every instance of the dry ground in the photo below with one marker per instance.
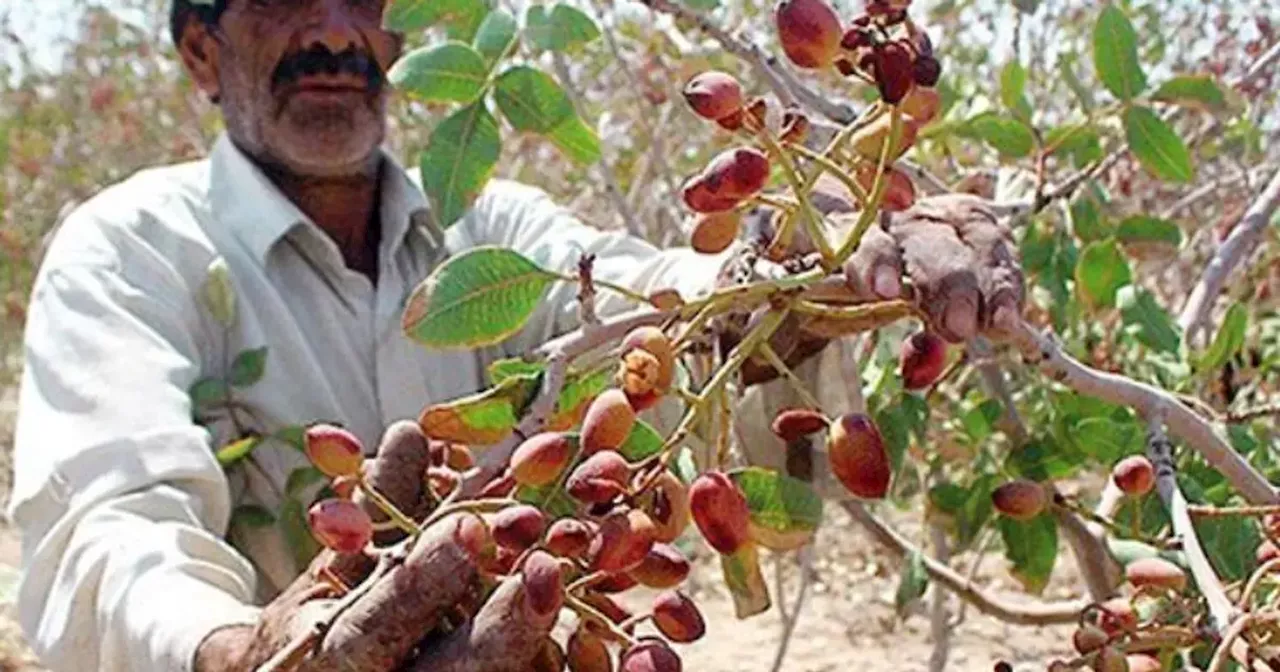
(848, 622)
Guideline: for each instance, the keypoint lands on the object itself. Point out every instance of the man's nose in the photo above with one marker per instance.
(332, 26)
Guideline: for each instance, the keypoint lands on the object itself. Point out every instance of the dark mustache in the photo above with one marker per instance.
(319, 59)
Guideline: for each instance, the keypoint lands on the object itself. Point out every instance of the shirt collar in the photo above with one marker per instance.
(259, 214)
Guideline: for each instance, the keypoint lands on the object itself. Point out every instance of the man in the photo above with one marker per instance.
(121, 503)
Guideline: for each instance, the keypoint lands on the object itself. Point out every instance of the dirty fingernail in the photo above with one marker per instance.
(961, 319)
(886, 282)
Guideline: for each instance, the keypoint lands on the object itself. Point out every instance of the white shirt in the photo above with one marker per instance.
(122, 505)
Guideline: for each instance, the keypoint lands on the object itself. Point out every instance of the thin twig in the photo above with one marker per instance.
(1244, 237)
(1248, 414)
(1207, 511)
(1222, 613)
(939, 620)
(1030, 614)
(728, 42)
(1198, 434)
(789, 628)
(587, 291)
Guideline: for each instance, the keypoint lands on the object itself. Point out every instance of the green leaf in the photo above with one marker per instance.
(554, 502)
(1039, 459)
(531, 101)
(1105, 439)
(1157, 146)
(252, 516)
(1229, 340)
(742, 575)
(643, 441)
(1087, 221)
(1067, 71)
(912, 584)
(415, 15)
(515, 366)
(969, 507)
(1147, 229)
(1231, 544)
(235, 451)
(1115, 54)
(297, 533)
(302, 478)
(480, 419)
(1032, 548)
(1013, 84)
(293, 435)
(1127, 551)
(218, 293)
(449, 72)
(561, 28)
(579, 389)
(1196, 91)
(701, 5)
(459, 159)
(208, 392)
(248, 367)
(1082, 143)
(785, 511)
(496, 35)
(1008, 136)
(1101, 271)
(1147, 320)
(480, 297)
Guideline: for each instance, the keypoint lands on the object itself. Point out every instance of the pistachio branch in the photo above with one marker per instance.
(1222, 613)
(1244, 237)
(1018, 614)
(587, 291)
(728, 42)
(1194, 430)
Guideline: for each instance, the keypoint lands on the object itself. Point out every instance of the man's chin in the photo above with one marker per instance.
(327, 151)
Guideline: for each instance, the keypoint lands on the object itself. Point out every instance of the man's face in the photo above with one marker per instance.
(302, 82)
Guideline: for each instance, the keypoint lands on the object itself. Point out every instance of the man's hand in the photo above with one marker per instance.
(961, 261)
(428, 612)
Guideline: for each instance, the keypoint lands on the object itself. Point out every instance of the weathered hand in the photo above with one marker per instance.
(428, 612)
(961, 261)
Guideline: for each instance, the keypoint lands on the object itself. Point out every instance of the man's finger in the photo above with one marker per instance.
(508, 632)
(397, 473)
(943, 270)
(874, 270)
(1000, 270)
(382, 628)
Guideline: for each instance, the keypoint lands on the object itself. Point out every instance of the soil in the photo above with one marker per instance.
(848, 621)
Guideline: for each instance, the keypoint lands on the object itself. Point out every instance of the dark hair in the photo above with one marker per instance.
(181, 10)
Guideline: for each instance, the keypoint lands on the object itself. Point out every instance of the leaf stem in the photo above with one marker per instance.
(393, 512)
(585, 610)
(799, 386)
(835, 169)
(872, 208)
(812, 220)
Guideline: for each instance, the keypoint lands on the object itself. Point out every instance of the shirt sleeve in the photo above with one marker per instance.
(120, 501)
(528, 220)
